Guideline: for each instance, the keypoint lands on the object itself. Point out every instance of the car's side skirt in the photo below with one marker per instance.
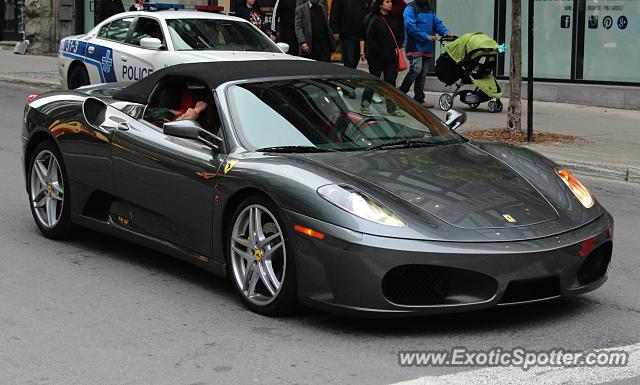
(116, 228)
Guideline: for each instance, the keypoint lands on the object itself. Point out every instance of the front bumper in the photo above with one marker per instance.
(350, 273)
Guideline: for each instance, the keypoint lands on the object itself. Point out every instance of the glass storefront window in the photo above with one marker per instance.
(611, 45)
(462, 16)
(552, 38)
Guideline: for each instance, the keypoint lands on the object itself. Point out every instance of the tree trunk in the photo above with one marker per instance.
(514, 112)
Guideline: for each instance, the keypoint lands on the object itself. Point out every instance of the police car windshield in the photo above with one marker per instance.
(217, 35)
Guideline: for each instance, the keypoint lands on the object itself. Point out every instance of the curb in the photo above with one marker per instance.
(601, 170)
(30, 81)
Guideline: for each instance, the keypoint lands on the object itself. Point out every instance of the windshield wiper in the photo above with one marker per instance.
(294, 149)
(404, 143)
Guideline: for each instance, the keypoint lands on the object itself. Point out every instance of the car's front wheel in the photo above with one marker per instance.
(47, 187)
(261, 265)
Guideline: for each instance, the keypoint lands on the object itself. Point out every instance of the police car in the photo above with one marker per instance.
(131, 45)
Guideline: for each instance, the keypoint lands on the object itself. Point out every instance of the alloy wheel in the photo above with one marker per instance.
(258, 255)
(47, 189)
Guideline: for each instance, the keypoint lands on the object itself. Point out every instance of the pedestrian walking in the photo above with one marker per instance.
(313, 31)
(106, 8)
(283, 24)
(421, 29)
(347, 18)
(379, 50)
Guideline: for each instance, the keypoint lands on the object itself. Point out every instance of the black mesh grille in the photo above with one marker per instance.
(596, 264)
(94, 111)
(531, 289)
(436, 285)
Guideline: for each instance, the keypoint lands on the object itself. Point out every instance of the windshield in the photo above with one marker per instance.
(332, 114)
(217, 35)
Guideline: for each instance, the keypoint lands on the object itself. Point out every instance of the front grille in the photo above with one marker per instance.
(416, 285)
(531, 289)
(596, 264)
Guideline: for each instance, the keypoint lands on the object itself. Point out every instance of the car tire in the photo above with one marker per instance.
(48, 192)
(260, 261)
(78, 77)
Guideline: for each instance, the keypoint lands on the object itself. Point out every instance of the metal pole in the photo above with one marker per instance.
(530, 75)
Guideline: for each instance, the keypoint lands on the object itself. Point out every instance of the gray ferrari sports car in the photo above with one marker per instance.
(273, 174)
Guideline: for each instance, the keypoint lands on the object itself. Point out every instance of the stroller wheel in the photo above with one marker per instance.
(474, 105)
(493, 106)
(445, 102)
(499, 106)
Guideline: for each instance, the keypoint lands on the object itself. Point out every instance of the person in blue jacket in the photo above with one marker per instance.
(421, 29)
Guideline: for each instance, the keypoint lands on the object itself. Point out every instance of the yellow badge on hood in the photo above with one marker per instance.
(229, 165)
(509, 218)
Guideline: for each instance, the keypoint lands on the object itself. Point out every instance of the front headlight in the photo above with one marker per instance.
(356, 202)
(578, 189)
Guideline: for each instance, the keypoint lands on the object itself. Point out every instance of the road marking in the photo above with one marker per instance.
(541, 375)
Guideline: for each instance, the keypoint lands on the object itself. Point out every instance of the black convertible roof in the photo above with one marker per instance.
(214, 74)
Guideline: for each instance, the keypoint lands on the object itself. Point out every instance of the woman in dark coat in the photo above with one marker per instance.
(379, 49)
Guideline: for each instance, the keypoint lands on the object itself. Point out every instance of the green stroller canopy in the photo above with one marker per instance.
(470, 46)
(474, 44)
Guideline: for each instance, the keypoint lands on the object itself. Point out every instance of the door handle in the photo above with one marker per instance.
(122, 126)
(124, 58)
(91, 49)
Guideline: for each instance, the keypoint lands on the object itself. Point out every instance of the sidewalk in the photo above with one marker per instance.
(30, 69)
(611, 147)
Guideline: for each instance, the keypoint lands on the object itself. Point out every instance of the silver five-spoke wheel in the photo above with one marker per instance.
(47, 189)
(258, 254)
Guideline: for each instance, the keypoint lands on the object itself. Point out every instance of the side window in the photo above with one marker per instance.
(104, 31)
(174, 98)
(145, 27)
(119, 29)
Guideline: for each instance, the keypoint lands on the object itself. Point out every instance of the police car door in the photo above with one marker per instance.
(141, 61)
(107, 49)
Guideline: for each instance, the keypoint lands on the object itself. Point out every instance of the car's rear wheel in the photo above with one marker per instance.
(261, 265)
(47, 187)
(78, 77)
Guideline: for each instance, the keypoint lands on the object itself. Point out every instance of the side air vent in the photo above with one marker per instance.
(94, 111)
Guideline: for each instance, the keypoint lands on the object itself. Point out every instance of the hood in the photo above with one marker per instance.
(205, 56)
(458, 184)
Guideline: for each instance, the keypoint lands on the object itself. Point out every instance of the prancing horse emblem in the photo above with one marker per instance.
(509, 218)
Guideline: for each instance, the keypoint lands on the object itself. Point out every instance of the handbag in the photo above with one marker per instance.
(401, 61)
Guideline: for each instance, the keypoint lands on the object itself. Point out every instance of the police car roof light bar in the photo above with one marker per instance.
(161, 6)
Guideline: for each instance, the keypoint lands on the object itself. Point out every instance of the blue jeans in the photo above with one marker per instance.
(418, 68)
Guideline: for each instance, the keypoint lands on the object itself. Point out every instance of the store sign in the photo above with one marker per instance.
(612, 48)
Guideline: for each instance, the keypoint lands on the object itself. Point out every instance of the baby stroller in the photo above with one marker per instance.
(470, 59)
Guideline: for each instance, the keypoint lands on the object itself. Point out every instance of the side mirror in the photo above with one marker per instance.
(455, 119)
(190, 129)
(283, 46)
(150, 43)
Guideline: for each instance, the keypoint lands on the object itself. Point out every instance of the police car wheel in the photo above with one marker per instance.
(78, 77)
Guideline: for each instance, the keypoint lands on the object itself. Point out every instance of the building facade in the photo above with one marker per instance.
(577, 41)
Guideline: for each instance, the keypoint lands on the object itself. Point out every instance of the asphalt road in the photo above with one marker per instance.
(98, 310)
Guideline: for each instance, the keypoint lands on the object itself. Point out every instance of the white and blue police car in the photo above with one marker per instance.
(131, 45)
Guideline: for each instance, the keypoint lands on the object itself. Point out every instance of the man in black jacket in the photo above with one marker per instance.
(313, 31)
(346, 23)
(106, 9)
(283, 22)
